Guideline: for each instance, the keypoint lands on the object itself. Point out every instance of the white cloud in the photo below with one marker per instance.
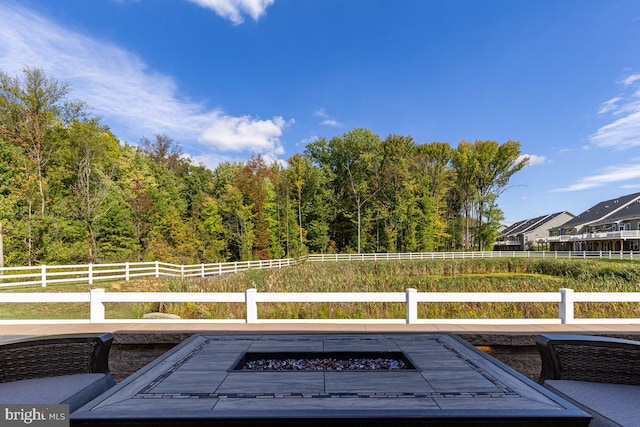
(612, 174)
(609, 105)
(630, 79)
(118, 85)
(234, 10)
(534, 159)
(623, 130)
(327, 120)
(309, 140)
(245, 134)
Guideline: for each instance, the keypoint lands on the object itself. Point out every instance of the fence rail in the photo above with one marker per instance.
(565, 298)
(90, 273)
(96, 298)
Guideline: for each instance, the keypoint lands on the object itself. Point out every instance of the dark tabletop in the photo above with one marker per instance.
(451, 383)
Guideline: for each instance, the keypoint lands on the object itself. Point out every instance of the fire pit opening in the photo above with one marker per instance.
(324, 361)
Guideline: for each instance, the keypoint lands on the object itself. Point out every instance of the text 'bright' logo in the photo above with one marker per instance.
(38, 415)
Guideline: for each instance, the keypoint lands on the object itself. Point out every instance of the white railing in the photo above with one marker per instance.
(44, 275)
(598, 235)
(89, 273)
(565, 298)
(470, 255)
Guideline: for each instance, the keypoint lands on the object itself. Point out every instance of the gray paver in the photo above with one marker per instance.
(330, 404)
(149, 407)
(444, 381)
(273, 345)
(376, 382)
(210, 361)
(359, 344)
(190, 382)
(273, 382)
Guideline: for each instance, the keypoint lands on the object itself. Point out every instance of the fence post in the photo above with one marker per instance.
(412, 305)
(219, 269)
(201, 270)
(609, 254)
(44, 276)
(566, 306)
(96, 305)
(252, 306)
(182, 271)
(90, 271)
(126, 271)
(157, 269)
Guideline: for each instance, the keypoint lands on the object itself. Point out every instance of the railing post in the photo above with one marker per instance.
(609, 254)
(96, 305)
(219, 269)
(202, 270)
(157, 269)
(126, 271)
(252, 305)
(566, 306)
(412, 305)
(90, 272)
(44, 276)
(182, 271)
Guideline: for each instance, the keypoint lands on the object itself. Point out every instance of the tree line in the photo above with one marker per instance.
(72, 192)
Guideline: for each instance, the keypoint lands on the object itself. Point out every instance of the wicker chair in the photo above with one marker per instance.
(599, 374)
(70, 369)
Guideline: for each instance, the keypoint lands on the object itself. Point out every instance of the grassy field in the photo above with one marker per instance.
(479, 275)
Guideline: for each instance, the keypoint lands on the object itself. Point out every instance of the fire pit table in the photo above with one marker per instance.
(343, 379)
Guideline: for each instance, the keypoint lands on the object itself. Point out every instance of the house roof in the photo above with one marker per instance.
(604, 212)
(529, 224)
(630, 211)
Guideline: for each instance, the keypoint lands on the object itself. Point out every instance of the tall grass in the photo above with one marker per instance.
(459, 275)
(474, 275)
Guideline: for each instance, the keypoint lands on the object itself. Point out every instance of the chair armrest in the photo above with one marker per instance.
(589, 358)
(54, 356)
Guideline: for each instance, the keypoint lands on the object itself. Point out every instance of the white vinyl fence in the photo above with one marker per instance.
(565, 298)
(90, 273)
(96, 298)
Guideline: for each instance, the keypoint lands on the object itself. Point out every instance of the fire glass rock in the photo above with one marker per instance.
(323, 364)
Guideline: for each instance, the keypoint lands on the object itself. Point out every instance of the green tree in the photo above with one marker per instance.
(496, 164)
(96, 152)
(355, 160)
(298, 166)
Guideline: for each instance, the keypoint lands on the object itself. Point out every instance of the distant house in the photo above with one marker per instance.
(523, 235)
(612, 225)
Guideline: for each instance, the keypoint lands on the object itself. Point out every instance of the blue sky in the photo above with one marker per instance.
(230, 78)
